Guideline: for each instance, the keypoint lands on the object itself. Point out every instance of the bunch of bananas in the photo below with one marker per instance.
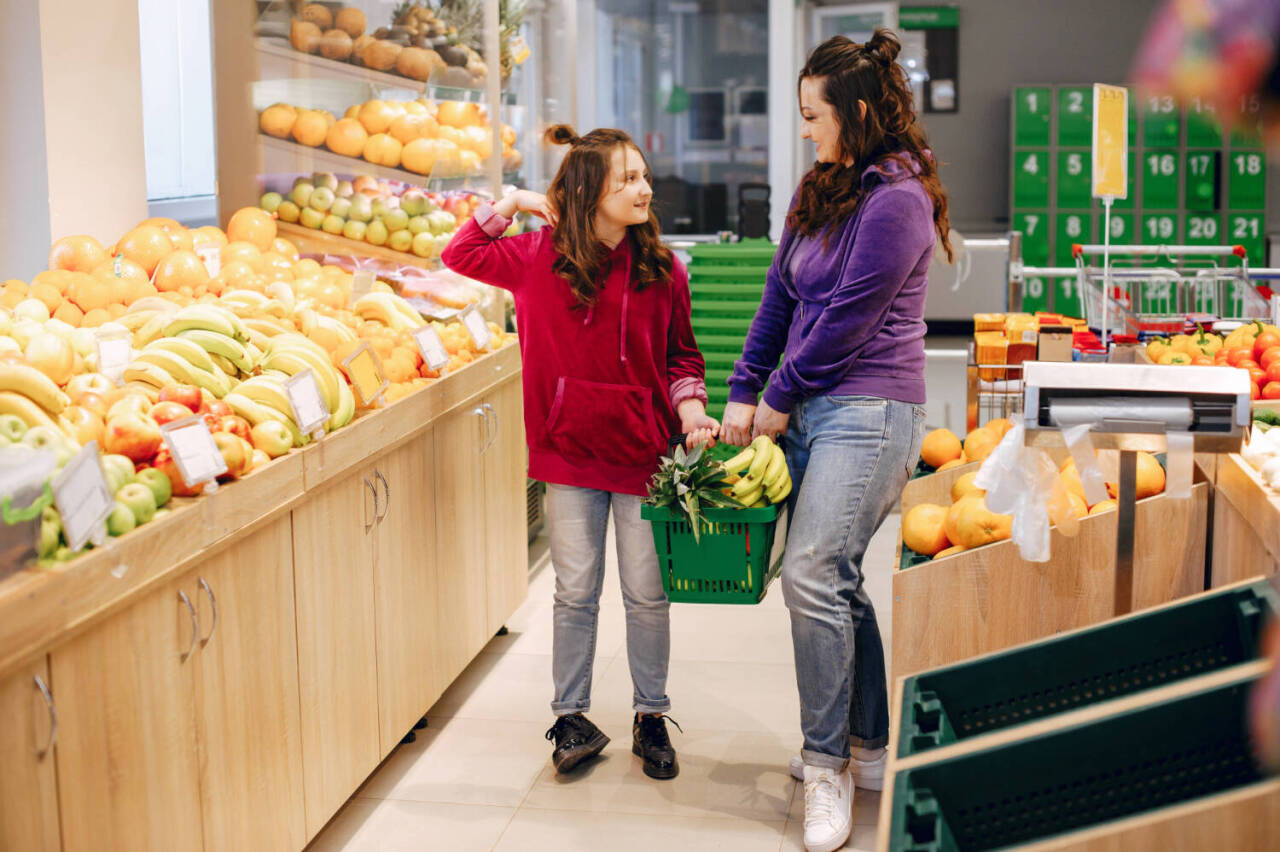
(263, 397)
(31, 395)
(758, 476)
(202, 345)
(388, 309)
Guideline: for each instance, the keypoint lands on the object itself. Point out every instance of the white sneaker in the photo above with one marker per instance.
(867, 774)
(828, 808)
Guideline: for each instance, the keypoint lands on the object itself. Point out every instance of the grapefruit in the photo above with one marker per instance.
(970, 523)
(979, 443)
(964, 486)
(145, 245)
(347, 137)
(960, 462)
(923, 528)
(939, 447)
(80, 253)
(1150, 478)
(950, 551)
(252, 225)
(180, 269)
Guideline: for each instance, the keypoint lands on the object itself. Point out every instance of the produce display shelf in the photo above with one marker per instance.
(39, 608)
(1246, 523)
(279, 49)
(1185, 639)
(313, 241)
(284, 156)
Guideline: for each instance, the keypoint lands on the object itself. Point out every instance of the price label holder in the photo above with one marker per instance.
(309, 409)
(115, 351)
(211, 253)
(193, 450)
(473, 322)
(368, 380)
(361, 283)
(1110, 168)
(82, 497)
(434, 353)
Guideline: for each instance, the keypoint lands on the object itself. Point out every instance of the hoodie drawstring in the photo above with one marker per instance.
(622, 335)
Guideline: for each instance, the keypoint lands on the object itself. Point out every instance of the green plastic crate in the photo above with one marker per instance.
(745, 253)
(732, 292)
(731, 343)
(739, 554)
(720, 325)
(742, 310)
(1053, 676)
(728, 276)
(1076, 777)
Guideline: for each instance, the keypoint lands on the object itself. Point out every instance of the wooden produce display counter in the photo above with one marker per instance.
(1246, 523)
(989, 598)
(227, 676)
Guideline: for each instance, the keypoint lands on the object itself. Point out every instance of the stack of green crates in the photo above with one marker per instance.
(726, 281)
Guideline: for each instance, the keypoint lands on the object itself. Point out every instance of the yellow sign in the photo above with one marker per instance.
(367, 378)
(1110, 141)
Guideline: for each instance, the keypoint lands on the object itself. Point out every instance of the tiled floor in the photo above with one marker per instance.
(480, 778)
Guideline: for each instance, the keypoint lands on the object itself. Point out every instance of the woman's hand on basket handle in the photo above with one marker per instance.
(736, 423)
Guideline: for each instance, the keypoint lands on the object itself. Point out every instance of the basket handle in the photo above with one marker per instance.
(676, 441)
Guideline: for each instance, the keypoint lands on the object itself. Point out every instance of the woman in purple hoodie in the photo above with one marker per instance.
(839, 342)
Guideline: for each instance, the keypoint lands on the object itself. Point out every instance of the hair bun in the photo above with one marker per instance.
(883, 46)
(562, 134)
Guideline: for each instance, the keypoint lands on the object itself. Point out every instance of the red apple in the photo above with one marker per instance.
(167, 412)
(272, 437)
(236, 452)
(166, 465)
(82, 423)
(216, 407)
(130, 403)
(260, 458)
(234, 424)
(132, 435)
(93, 401)
(187, 395)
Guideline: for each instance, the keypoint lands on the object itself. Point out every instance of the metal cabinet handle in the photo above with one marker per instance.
(53, 718)
(376, 515)
(195, 624)
(387, 488)
(214, 602)
(480, 412)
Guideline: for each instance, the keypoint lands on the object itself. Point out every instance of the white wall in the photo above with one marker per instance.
(24, 175)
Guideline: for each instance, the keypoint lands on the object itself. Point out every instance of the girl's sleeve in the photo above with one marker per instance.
(686, 370)
(765, 340)
(480, 251)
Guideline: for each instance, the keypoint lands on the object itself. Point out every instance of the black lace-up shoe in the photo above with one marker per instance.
(576, 740)
(649, 741)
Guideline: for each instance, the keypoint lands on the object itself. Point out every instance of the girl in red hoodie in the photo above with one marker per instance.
(610, 370)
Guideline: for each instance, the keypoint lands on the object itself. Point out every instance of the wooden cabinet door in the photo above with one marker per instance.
(247, 692)
(127, 758)
(461, 608)
(28, 788)
(333, 541)
(507, 520)
(405, 567)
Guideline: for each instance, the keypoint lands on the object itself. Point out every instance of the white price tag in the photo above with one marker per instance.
(432, 347)
(309, 409)
(475, 325)
(361, 283)
(192, 447)
(115, 351)
(211, 254)
(81, 494)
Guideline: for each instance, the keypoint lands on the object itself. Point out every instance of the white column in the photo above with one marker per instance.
(783, 133)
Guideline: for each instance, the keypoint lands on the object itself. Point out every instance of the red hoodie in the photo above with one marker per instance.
(600, 384)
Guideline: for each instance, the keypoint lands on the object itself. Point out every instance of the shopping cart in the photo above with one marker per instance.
(736, 556)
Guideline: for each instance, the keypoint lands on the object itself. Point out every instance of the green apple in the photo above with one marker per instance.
(272, 437)
(442, 222)
(270, 201)
(361, 208)
(301, 193)
(375, 235)
(341, 207)
(8, 344)
(140, 501)
(424, 244)
(345, 189)
(326, 179)
(158, 482)
(118, 471)
(401, 240)
(12, 427)
(49, 438)
(419, 225)
(380, 208)
(288, 211)
(414, 202)
(121, 520)
(333, 224)
(354, 230)
(396, 220)
(50, 533)
(442, 241)
(311, 218)
(302, 181)
(321, 199)
(161, 513)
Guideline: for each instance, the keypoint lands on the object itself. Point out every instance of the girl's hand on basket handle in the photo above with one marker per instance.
(696, 424)
(736, 429)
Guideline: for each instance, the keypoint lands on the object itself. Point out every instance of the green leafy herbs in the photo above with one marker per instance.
(689, 483)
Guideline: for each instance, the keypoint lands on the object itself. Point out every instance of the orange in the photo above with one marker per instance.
(282, 246)
(181, 269)
(1078, 505)
(116, 310)
(80, 253)
(277, 120)
(459, 114)
(47, 293)
(950, 551)
(247, 253)
(135, 290)
(208, 234)
(964, 486)
(145, 245)
(979, 443)
(972, 524)
(407, 128)
(923, 528)
(419, 155)
(1001, 426)
(58, 279)
(305, 266)
(69, 313)
(310, 128)
(234, 275)
(330, 295)
(1104, 506)
(91, 291)
(95, 318)
(1151, 478)
(277, 267)
(347, 137)
(131, 279)
(939, 447)
(383, 150)
(953, 463)
(252, 225)
(376, 116)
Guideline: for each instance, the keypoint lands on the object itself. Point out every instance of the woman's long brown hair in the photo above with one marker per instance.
(831, 192)
(575, 195)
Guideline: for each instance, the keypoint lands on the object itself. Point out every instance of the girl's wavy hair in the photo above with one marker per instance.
(575, 194)
(852, 72)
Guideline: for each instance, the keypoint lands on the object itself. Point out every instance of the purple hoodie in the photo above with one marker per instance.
(851, 321)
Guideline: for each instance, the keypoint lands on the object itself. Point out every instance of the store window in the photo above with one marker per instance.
(688, 81)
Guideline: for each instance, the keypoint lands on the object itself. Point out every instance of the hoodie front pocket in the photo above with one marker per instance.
(612, 423)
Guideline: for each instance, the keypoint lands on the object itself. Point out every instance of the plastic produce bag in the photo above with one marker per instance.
(1023, 482)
